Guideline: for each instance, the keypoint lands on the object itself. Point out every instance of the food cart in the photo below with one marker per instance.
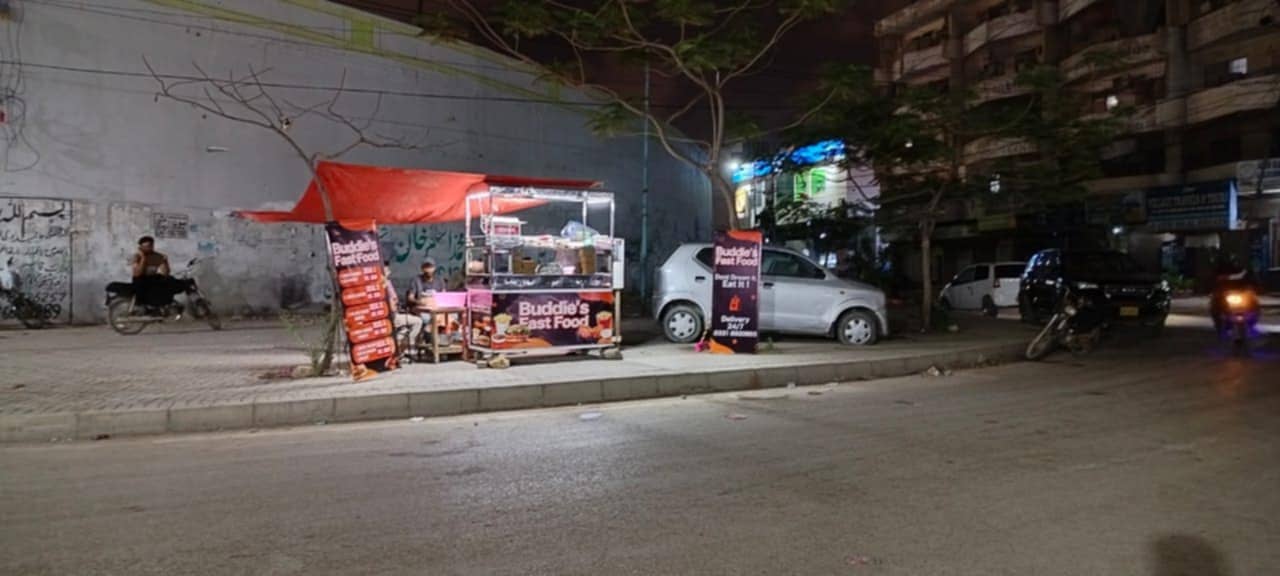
(542, 292)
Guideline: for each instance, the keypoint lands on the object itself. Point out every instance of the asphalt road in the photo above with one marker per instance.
(1156, 459)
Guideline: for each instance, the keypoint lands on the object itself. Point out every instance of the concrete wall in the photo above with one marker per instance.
(84, 131)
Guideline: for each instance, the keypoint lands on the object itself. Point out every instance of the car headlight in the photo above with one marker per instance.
(1085, 286)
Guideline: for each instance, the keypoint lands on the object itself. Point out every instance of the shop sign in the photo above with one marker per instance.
(1259, 175)
(525, 320)
(996, 222)
(357, 261)
(735, 292)
(1204, 207)
(809, 184)
(954, 232)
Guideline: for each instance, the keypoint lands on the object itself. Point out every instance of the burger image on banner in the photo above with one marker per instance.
(522, 321)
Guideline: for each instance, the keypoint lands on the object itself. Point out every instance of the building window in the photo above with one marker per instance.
(1239, 67)
(1225, 72)
(1025, 60)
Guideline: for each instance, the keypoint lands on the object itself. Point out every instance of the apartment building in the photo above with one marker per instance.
(1197, 169)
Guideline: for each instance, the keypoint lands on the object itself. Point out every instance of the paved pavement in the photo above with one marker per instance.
(1142, 459)
(89, 382)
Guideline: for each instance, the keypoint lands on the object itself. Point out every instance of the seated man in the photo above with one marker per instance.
(152, 283)
(399, 319)
(422, 295)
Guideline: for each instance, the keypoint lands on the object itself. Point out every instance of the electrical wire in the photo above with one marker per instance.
(127, 14)
(348, 89)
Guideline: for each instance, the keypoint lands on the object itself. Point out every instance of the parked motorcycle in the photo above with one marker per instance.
(32, 314)
(1077, 325)
(128, 316)
(1235, 309)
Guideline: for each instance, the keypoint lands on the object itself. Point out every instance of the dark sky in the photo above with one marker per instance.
(771, 94)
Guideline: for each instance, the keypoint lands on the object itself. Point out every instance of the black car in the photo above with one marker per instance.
(1120, 287)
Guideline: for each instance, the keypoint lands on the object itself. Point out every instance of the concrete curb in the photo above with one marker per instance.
(45, 427)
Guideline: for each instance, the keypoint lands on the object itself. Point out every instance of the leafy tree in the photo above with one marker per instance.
(915, 138)
(702, 48)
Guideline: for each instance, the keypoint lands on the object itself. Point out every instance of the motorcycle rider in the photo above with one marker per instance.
(1229, 275)
(9, 279)
(154, 287)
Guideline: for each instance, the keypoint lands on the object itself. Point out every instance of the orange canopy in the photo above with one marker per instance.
(404, 196)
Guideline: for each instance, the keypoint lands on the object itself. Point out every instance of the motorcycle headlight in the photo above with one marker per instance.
(1237, 299)
(1164, 286)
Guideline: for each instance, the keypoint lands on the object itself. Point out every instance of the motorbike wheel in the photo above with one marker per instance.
(118, 312)
(1240, 337)
(202, 309)
(30, 313)
(1048, 337)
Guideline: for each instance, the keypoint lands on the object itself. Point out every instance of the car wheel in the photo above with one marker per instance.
(682, 324)
(1024, 310)
(857, 328)
(989, 307)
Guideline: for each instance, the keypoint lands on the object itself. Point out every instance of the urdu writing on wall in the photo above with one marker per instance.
(35, 243)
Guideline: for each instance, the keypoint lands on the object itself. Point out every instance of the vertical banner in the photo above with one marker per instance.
(735, 292)
(367, 315)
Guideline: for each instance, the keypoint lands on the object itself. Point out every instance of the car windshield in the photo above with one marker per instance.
(1086, 263)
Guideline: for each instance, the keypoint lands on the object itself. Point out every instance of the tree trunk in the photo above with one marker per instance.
(724, 194)
(926, 276)
(332, 325)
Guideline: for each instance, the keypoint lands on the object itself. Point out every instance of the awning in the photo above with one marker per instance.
(404, 196)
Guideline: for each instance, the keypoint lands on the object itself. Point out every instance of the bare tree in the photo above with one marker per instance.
(702, 47)
(244, 99)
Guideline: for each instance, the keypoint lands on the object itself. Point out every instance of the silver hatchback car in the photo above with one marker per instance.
(796, 297)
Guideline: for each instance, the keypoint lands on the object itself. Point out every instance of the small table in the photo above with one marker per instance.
(436, 349)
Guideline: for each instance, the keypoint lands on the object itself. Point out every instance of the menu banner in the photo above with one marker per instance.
(735, 292)
(507, 321)
(357, 262)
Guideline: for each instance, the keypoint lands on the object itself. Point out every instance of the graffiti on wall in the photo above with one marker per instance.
(413, 244)
(35, 246)
(170, 225)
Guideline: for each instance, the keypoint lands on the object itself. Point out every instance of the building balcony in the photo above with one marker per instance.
(1259, 93)
(984, 149)
(1069, 8)
(920, 61)
(910, 16)
(1127, 184)
(1004, 27)
(998, 88)
(1232, 19)
(1140, 120)
(1129, 53)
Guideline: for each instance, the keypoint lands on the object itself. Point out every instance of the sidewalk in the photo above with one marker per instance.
(89, 382)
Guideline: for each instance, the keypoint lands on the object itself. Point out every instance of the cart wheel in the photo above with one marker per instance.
(500, 363)
(614, 353)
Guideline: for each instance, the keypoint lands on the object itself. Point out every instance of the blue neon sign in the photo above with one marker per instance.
(817, 153)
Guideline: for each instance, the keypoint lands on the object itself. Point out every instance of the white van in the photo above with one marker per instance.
(987, 287)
